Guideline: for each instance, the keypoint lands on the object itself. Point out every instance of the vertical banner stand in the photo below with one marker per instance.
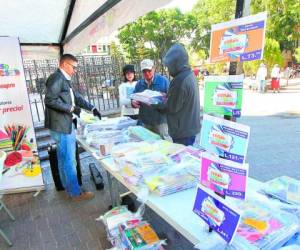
(232, 71)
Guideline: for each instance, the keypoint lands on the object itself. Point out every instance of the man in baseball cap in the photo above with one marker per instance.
(150, 117)
(147, 64)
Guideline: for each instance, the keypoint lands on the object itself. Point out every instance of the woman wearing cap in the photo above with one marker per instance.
(125, 90)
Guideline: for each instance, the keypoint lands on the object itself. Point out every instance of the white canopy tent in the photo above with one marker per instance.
(55, 26)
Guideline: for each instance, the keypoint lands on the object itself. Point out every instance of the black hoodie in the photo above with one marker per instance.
(183, 104)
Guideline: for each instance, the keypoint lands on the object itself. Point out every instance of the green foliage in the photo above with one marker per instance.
(297, 54)
(272, 53)
(250, 68)
(115, 50)
(152, 34)
(283, 20)
(206, 13)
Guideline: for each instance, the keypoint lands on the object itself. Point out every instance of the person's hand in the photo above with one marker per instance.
(135, 104)
(76, 111)
(97, 113)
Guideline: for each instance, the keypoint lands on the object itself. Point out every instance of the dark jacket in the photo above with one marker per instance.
(183, 103)
(58, 103)
(147, 114)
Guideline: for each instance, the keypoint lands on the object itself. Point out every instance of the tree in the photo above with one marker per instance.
(151, 35)
(206, 13)
(283, 20)
(297, 54)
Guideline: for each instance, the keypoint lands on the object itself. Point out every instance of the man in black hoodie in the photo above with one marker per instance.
(183, 104)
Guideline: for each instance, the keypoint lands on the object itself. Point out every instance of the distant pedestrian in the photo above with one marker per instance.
(275, 75)
(261, 77)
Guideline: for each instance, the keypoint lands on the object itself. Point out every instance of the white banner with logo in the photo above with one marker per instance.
(19, 161)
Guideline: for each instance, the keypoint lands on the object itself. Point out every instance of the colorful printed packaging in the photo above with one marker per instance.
(223, 95)
(224, 138)
(223, 176)
(216, 213)
(238, 40)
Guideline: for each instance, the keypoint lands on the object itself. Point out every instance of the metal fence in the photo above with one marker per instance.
(97, 79)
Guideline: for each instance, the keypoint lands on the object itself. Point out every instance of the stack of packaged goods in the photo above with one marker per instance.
(6, 143)
(127, 231)
(143, 133)
(170, 181)
(149, 97)
(88, 123)
(97, 138)
(167, 148)
(284, 188)
(189, 158)
(264, 226)
(137, 166)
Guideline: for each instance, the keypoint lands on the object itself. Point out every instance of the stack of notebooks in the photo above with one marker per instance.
(148, 97)
(5, 142)
(284, 188)
(171, 182)
(127, 231)
(143, 134)
(264, 226)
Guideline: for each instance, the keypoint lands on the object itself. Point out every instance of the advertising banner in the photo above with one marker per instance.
(224, 177)
(215, 213)
(238, 40)
(223, 95)
(21, 165)
(224, 138)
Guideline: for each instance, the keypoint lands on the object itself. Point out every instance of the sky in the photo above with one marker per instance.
(183, 5)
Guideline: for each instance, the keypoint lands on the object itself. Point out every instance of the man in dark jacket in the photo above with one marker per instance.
(183, 103)
(63, 104)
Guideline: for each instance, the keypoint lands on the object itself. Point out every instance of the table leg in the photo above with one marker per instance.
(110, 188)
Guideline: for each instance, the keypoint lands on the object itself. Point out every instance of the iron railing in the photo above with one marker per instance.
(97, 79)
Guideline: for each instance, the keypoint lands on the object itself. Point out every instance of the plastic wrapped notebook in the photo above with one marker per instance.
(283, 188)
(170, 182)
(263, 226)
(139, 237)
(143, 133)
(137, 166)
(148, 96)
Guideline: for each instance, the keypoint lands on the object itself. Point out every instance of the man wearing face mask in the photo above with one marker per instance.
(63, 104)
(150, 117)
(183, 104)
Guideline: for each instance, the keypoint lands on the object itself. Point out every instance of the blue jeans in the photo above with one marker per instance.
(187, 141)
(66, 157)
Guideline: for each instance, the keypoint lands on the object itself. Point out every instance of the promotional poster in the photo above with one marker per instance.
(18, 148)
(224, 177)
(216, 214)
(238, 40)
(225, 138)
(223, 95)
